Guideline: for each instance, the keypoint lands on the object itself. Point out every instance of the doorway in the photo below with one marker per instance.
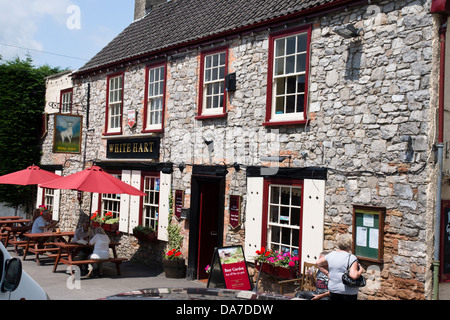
(206, 223)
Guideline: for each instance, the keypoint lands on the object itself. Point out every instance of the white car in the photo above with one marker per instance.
(15, 283)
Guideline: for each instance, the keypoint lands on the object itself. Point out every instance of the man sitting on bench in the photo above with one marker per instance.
(101, 250)
(43, 222)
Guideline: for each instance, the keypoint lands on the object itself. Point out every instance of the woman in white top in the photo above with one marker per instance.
(101, 249)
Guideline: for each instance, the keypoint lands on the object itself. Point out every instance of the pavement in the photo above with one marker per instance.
(61, 286)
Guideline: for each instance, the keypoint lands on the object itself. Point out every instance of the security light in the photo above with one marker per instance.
(348, 31)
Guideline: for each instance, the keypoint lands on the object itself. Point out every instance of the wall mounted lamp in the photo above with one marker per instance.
(273, 158)
(349, 31)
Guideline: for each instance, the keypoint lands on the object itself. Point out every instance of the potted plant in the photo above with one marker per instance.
(111, 224)
(173, 261)
(96, 220)
(279, 264)
(107, 222)
(145, 233)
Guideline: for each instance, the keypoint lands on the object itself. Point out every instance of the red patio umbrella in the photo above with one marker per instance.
(32, 175)
(95, 180)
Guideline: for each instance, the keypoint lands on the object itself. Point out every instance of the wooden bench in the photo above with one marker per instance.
(18, 244)
(116, 261)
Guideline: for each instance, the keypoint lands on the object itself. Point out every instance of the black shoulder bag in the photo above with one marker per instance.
(349, 281)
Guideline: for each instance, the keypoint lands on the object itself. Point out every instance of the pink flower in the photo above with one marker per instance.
(291, 263)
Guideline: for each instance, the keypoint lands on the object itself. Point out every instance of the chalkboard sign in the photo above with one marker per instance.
(368, 225)
(229, 269)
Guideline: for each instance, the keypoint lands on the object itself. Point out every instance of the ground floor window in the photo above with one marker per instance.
(111, 202)
(284, 210)
(150, 206)
(49, 196)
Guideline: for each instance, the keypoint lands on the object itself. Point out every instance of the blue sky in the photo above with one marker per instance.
(60, 33)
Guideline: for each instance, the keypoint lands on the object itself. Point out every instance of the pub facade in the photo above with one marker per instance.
(268, 128)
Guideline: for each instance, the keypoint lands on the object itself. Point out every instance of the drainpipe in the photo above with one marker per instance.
(440, 154)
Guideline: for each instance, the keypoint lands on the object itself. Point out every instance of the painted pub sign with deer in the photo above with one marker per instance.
(67, 137)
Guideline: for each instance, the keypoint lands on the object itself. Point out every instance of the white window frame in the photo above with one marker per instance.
(282, 223)
(214, 83)
(150, 206)
(280, 73)
(155, 97)
(111, 202)
(49, 198)
(66, 101)
(115, 104)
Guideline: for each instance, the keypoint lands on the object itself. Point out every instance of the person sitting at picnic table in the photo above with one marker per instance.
(320, 282)
(43, 222)
(101, 249)
(82, 236)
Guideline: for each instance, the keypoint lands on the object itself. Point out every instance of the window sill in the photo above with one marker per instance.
(284, 122)
(152, 130)
(112, 133)
(211, 116)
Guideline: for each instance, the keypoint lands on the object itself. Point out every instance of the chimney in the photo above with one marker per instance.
(142, 7)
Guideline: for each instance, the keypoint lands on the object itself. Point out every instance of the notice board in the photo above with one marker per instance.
(368, 230)
(229, 269)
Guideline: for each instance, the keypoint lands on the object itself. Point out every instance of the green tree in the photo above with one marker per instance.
(22, 101)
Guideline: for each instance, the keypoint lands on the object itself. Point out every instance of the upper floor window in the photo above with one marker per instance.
(66, 101)
(288, 77)
(114, 104)
(154, 104)
(213, 68)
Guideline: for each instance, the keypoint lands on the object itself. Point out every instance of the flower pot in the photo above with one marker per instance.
(95, 224)
(111, 227)
(146, 237)
(281, 272)
(174, 268)
(287, 273)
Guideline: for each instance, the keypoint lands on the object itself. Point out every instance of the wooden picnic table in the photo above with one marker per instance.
(13, 234)
(11, 218)
(10, 222)
(37, 242)
(10, 227)
(71, 249)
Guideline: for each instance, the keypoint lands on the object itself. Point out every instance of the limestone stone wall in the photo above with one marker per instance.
(371, 114)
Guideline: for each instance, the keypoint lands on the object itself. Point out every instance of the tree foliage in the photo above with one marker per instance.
(22, 101)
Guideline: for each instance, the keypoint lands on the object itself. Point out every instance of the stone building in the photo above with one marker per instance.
(276, 124)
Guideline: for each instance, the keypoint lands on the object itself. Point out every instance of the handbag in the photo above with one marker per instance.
(349, 281)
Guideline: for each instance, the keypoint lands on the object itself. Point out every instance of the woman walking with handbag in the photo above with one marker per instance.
(338, 263)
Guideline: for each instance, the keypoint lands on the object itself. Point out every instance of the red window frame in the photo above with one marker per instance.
(114, 75)
(265, 211)
(62, 92)
(270, 71)
(147, 70)
(203, 54)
